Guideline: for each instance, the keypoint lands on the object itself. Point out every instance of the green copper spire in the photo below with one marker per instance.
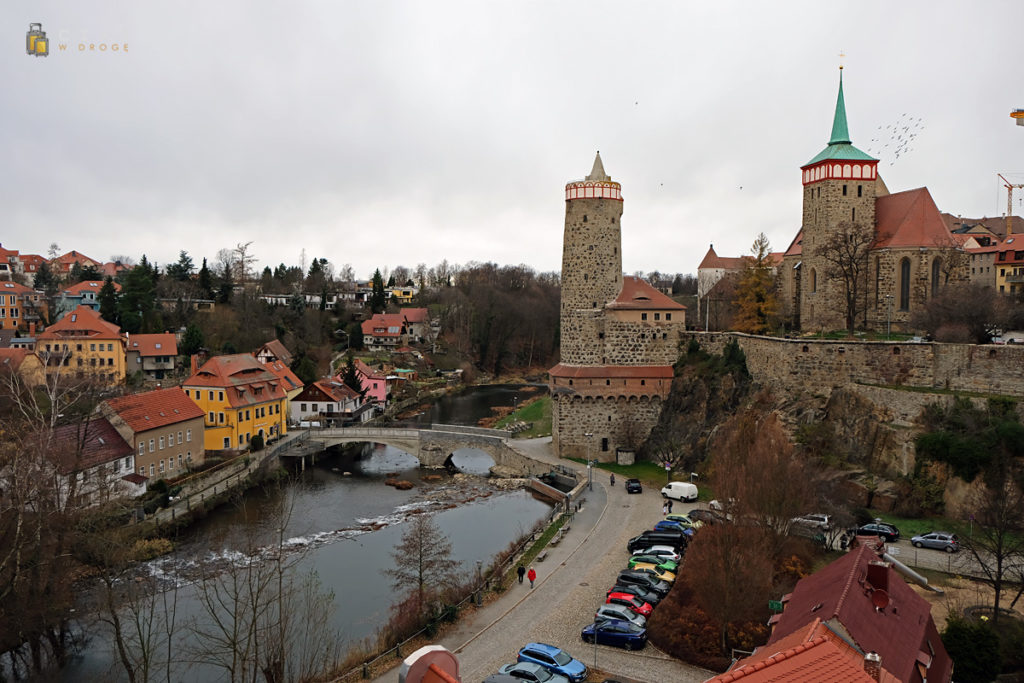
(840, 133)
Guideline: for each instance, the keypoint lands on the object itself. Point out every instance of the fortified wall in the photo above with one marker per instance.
(814, 366)
(597, 338)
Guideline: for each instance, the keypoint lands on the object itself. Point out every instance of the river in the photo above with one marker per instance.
(342, 521)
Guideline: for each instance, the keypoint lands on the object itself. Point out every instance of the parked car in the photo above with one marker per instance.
(502, 678)
(666, 552)
(886, 531)
(940, 540)
(554, 660)
(706, 516)
(615, 632)
(687, 521)
(634, 486)
(675, 539)
(680, 490)
(617, 611)
(639, 592)
(655, 560)
(655, 571)
(647, 581)
(533, 672)
(668, 525)
(816, 520)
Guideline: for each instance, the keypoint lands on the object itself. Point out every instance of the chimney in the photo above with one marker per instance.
(873, 665)
(878, 575)
(32, 328)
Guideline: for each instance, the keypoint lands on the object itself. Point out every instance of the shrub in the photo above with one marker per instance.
(148, 548)
(974, 648)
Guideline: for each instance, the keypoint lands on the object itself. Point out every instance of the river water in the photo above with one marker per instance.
(340, 519)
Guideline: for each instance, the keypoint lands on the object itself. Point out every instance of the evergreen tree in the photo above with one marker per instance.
(192, 340)
(350, 378)
(225, 285)
(205, 282)
(758, 307)
(136, 308)
(45, 281)
(391, 282)
(304, 368)
(379, 298)
(108, 301)
(182, 269)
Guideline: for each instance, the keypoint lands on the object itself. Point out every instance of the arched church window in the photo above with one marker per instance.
(814, 280)
(936, 271)
(905, 284)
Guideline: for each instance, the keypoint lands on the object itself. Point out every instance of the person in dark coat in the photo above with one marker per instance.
(522, 572)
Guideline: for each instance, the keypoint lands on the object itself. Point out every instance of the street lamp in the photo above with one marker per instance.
(888, 316)
(515, 403)
(590, 468)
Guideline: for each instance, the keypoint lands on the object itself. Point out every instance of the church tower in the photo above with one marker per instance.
(591, 249)
(840, 186)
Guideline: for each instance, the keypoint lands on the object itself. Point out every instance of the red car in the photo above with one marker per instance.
(631, 601)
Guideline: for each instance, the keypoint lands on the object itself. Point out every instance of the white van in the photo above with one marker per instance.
(680, 490)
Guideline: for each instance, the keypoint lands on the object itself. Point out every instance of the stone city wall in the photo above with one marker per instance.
(623, 422)
(816, 366)
(592, 338)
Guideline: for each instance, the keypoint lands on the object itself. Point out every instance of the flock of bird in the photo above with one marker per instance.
(894, 140)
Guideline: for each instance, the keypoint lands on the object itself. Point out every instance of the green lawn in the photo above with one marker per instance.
(536, 412)
(910, 527)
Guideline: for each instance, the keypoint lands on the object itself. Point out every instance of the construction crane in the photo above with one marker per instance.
(1009, 202)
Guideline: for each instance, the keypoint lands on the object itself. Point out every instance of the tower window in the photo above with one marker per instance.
(608, 382)
(819, 190)
(853, 214)
(584, 218)
(844, 190)
(860, 190)
(593, 304)
(613, 220)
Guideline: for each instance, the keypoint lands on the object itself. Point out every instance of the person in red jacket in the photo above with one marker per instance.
(532, 576)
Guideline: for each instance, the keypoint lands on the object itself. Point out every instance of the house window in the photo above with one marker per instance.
(302, 407)
(170, 463)
(188, 435)
(127, 463)
(152, 445)
(142, 471)
(188, 456)
(179, 460)
(151, 469)
(643, 316)
(142, 449)
(211, 419)
(220, 418)
(179, 438)
(161, 465)
(211, 395)
(227, 442)
(668, 316)
(220, 395)
(241, 440)
(657, 316)
(92, 347)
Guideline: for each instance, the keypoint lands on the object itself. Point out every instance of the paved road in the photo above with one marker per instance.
(571, 584)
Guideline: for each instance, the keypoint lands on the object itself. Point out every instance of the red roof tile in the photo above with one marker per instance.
(713, 260)
(416, 315)
(277, 349)
(366, 370)
(89, 286)
(384, 325)
(155, 409)
(15, 288)
(84, 322)
(897, 632)
(910, 219)
(285, 374)
(162, 344)
(87, 444)
(612, 371)
(241, 376)
(796, 247)
(12, 358)
(327, 390)
(637, 294)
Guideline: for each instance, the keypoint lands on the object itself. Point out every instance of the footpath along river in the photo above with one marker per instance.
(345, 521)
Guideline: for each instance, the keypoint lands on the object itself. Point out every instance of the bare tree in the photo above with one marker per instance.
(845, 252)
(968, 313)
(423, 561)
(243, 261)
(997, 541)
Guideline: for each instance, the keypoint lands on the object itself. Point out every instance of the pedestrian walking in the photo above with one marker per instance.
(522, 572)
(532, 576)
(613, 479)
(669, 503)
(664, 508)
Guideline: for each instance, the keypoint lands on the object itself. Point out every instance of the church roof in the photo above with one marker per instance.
(839, 146)
(910, 219)
(713, 260)
(637, 294)
(796, 247)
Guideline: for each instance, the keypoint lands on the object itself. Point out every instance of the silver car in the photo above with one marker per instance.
(940, 540)
(532, 672)
(620, 612)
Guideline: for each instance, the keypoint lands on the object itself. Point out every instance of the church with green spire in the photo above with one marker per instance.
(863, 258)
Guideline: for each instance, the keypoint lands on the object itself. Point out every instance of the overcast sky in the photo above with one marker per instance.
(380, 133)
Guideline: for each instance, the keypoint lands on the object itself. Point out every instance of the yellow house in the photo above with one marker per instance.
(241, 399)
(23, 363)
(403, 295)
(85, 344)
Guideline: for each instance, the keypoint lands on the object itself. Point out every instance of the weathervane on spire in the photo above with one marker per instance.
(842, 56)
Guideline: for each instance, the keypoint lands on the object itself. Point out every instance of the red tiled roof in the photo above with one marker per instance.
(330, 390)
(713, 260)
(416, 315)
(155, 409)
(910, 219)
(162, 344)
(135, 478)
(796, 247)
(65, 261)
(7, 287)
(775, 258)
(612, 371)
(83, 321)
(285, 374)
(379, 324)
(31, 262)
(240, 375)
(366, 370)
(897, 632)
(87, 444)
(89, 286)
(7, 254)
(637, 294)
(277, 349)
(12, 358)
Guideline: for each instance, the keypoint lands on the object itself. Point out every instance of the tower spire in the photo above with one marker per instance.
(840, 132)
(597, 173)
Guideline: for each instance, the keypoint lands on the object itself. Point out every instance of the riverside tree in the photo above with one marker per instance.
(423, 562)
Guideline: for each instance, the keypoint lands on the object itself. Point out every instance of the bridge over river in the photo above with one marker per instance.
(432, 445)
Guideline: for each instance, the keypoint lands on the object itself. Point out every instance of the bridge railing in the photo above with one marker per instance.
(461, 429)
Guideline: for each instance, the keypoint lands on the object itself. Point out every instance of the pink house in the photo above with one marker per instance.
(374, 382)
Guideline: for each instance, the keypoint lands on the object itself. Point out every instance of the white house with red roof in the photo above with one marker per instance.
(93, 463)
(384, 332)
(417, 324)
(154, 355)
(327, 403)
(164, 429)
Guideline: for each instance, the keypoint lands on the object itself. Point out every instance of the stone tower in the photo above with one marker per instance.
(619, 336)
(840, 187)
(591, 247)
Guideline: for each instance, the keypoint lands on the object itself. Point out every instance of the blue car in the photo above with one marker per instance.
(669, 525)
(616, 632)
(554, 660)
